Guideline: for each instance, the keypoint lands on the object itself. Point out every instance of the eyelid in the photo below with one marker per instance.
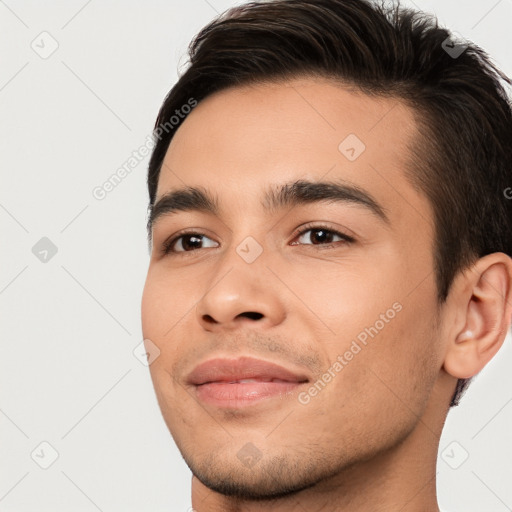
(170, 241)
(312, 226)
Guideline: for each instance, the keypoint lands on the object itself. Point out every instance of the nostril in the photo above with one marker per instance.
(209, 319)
(252, 315)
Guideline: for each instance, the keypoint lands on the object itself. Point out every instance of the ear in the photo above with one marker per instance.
(483, 315)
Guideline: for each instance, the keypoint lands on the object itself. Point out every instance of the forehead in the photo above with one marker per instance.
(239, 141)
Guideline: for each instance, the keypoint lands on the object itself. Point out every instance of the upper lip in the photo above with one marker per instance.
(229, 370)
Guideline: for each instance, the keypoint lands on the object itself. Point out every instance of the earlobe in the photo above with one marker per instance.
(486, 304)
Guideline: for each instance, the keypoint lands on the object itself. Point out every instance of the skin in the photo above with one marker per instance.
(369, 439)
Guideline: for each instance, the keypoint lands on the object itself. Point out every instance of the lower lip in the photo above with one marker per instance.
(236, 395)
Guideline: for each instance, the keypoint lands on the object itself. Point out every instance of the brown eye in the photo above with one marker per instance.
(186, 242)
(320, 235)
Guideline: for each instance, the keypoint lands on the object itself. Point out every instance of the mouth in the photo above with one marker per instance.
(237, 383)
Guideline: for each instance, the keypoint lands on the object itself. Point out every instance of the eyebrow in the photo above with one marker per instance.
(277, 197)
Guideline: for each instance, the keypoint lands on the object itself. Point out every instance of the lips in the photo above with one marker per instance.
(243, 383)
(243, 370)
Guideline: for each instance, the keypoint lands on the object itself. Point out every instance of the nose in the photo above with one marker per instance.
(239, 295)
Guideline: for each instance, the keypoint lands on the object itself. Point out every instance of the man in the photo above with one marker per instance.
(330, 260)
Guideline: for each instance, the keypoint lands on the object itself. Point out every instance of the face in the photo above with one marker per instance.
(334, 284)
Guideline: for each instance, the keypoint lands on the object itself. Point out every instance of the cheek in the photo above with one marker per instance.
(164, 302)
(165, 312)
(161, 310)
(346, 297)
(399, 365)
(384, 333)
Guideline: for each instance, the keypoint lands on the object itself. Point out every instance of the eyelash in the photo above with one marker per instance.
(168, 244)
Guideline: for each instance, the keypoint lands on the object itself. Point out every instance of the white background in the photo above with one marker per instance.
(69, 326)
